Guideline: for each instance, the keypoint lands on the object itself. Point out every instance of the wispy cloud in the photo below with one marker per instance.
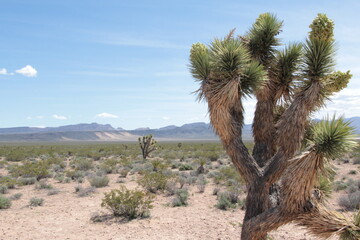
(166, 118)
(3, 71)
(27, 71)
(59, 117)
(106, 115)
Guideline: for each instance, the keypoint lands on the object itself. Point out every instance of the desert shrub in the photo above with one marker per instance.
(8, 182)
(181, 198)
(83, 164)
(340, 185)
(84, 192)
(57, 168)
(212, 156)
(224, 201)
(171, 186)
(96, 156)
(5, 203)
(185, 167)
(16, 196)
(186, 178)
(228, 176)
(229, 198)
(201, 183)
(98, 181)
(356, 160)
(53, 192)
(124, 172)
(3, 189)
(128, 203)
(35, 202)
(2, 164)
(216, 191)
(154, 181)
(109, 165)
(43, 185)
(350, 201)
(38, 170)
(15, 156)
(26, 181)
(157, 165)
(74, 174)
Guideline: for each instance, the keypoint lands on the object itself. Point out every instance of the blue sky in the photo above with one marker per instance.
(126, 62)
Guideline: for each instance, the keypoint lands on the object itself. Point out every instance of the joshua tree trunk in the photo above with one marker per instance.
(289, 86)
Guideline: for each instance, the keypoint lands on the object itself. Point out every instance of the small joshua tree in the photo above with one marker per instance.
(147, 145)
(290, 153)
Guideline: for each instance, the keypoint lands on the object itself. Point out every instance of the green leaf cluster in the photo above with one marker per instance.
(127, 203)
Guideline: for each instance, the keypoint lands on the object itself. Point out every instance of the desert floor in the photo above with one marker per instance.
(67, 216)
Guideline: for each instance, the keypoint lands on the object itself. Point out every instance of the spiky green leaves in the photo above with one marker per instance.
(261, 38)
(318, 59)
(285, 69)
(333, 137)
(252, 78)
(227, 69)
(322, 28)
(200, 61)
(229, 57)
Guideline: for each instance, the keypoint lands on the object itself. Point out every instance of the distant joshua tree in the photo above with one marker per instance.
(147, 145)
(290, 152)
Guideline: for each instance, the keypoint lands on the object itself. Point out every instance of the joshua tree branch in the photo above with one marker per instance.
(292, 126)
(264, 127)
(227, 118)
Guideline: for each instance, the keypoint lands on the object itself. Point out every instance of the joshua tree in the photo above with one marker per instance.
(290, 153)
(147, 145)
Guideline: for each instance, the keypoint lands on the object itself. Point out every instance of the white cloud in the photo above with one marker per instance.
(106, 115)
(27, 71)
(3, 71)
(166, 118)
(58, 117)
(29, 118)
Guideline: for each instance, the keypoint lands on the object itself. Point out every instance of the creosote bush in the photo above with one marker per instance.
(181, 198)
(35, 202)
(154, 181)
(351, 201)
(16, 196)
(127, 203)
(3, 189)
(99, 181)
(84, 192)
(5, 203)
(38, 170)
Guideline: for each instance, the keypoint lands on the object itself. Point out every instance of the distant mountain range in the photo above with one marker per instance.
(105, 132)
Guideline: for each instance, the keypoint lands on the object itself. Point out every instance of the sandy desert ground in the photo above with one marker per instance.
(67, 216)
